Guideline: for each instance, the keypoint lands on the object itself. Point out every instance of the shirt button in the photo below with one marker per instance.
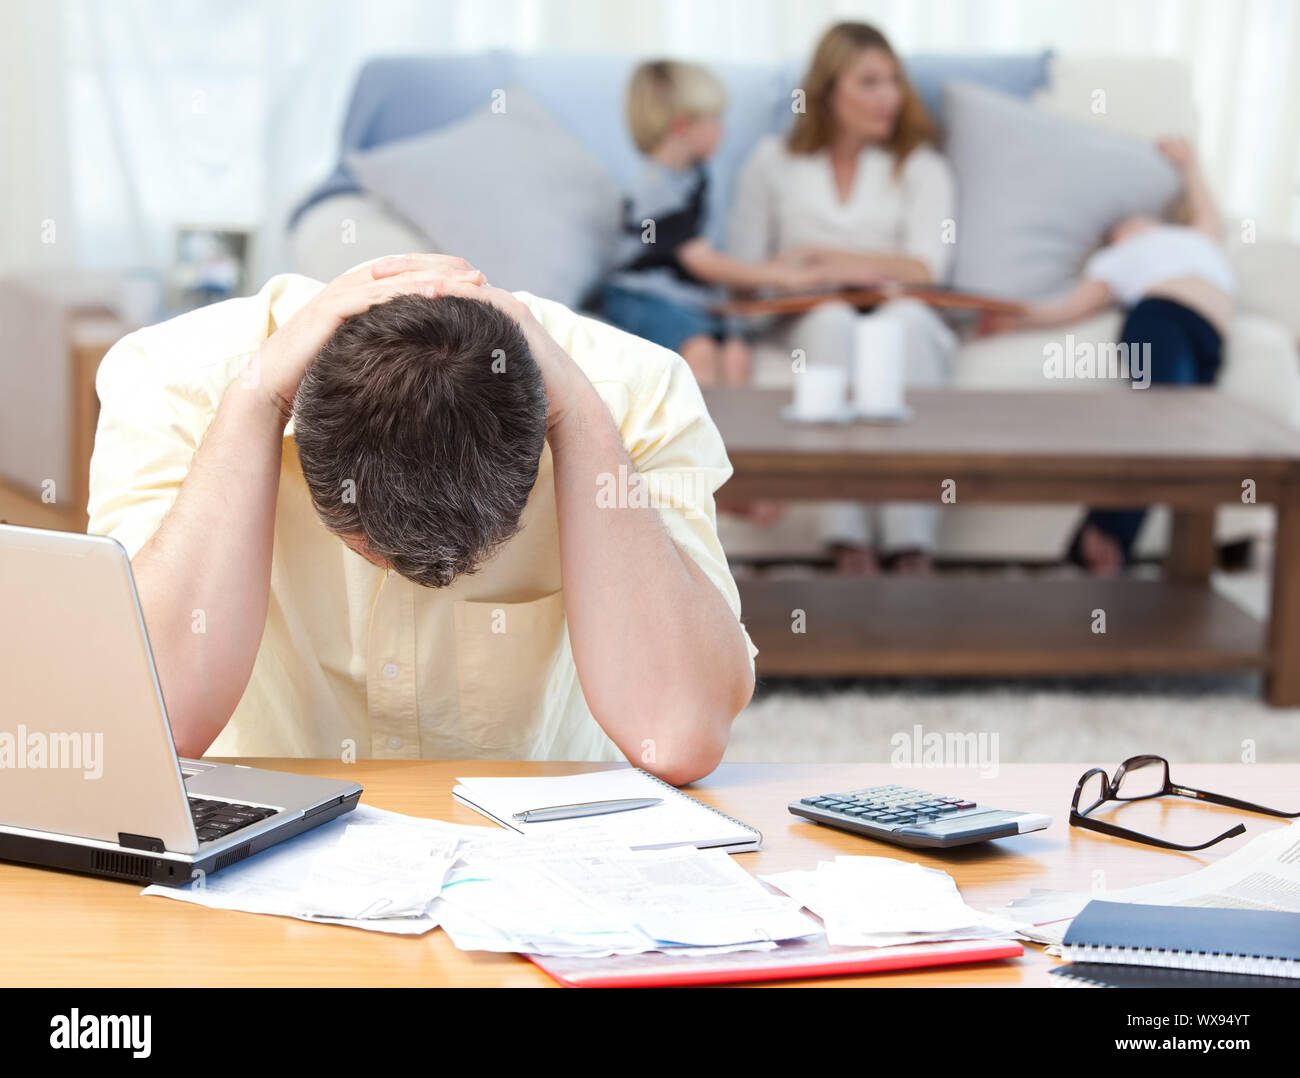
(390, 670)
(394, 742)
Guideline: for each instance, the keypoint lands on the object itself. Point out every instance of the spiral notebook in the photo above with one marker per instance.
(679, 821)
(1104, 975)
(1250, 941)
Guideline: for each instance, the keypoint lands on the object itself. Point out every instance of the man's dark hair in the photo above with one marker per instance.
(420, 428)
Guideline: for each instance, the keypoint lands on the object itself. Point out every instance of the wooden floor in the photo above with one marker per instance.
(964, 626)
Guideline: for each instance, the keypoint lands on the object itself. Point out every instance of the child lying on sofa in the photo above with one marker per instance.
(669, 275)
(1178, 287)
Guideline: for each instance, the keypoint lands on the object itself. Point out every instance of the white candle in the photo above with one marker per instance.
(878, 367)
(820, 393)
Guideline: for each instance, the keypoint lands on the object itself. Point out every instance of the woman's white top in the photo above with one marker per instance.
(1130, 268)
(786, 200)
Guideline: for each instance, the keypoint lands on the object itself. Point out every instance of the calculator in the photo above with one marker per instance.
(909, 817)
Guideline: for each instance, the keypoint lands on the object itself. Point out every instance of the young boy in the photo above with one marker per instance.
(1178, 288)
(668, 275)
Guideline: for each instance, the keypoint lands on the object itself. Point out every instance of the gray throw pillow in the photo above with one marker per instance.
(511, 191)
(1038, 192)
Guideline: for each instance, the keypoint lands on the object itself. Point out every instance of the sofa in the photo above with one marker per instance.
(406, 98)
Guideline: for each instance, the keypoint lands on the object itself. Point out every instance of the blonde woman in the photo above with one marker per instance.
(858, 191)
(668, 275)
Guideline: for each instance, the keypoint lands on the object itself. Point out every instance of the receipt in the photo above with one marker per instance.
(378, 872)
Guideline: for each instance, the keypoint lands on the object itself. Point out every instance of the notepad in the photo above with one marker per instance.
(1256, 942)
(679, 821)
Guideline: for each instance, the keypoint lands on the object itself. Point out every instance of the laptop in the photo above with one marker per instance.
(89, 777)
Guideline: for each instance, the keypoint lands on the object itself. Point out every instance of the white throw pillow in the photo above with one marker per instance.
(1038, 192)
(511, 191)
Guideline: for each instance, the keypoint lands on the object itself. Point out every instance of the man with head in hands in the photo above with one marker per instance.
(410, 515)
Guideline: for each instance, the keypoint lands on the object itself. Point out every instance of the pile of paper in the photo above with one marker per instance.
(369, 869)
(1264, 874)
(495, 891)
(539, 896)
(881, 902)
(578, 896)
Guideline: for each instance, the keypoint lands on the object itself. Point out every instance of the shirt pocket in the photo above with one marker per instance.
(507, 655)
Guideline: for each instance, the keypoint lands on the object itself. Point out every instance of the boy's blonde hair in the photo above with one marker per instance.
(661, 91)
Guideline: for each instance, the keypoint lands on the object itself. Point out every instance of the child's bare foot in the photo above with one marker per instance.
(913, 563)
(1099, 552)
(766, 512)
(704, 357)
(736, 362)
(855, 560)
(760, 513)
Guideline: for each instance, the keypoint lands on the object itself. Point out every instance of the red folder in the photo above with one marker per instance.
(812, 957)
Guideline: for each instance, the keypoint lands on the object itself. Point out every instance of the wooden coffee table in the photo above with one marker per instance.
(1189, 448)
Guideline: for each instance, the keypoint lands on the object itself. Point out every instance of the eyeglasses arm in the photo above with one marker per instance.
(1123, 832)
(1230, 802)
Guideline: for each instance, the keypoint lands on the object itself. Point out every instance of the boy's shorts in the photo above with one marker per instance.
(660, 320)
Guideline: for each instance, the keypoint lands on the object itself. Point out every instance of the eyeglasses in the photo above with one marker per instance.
(1138, 779)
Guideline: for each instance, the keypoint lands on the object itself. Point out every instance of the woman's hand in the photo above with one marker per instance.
(835, 269)
(790, 275)
(993, 322)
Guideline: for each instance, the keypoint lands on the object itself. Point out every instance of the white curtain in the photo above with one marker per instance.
(127, 120)
(36, 230)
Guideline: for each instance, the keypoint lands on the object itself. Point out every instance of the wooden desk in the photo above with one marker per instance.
(1189, 448)
(65, 930)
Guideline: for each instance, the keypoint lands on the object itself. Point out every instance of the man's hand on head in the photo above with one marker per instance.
(289, 351)
(562, 378)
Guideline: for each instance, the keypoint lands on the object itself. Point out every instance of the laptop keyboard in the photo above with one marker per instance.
(216, 819)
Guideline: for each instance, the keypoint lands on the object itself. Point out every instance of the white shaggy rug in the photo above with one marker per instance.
(1032, 725)
(1099, 721)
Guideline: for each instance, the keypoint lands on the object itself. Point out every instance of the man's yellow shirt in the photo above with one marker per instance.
(357, 659)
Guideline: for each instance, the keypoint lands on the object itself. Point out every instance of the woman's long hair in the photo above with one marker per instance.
(842, 44)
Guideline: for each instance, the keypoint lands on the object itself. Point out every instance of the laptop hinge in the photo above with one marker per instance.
(140, 842)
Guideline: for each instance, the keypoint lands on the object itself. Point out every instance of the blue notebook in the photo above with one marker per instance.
(1100, 975)
(1258, 942)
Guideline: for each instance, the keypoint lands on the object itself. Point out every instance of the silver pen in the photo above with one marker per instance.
(588, 808)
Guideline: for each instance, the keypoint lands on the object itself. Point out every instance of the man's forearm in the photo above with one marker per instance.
(660, 655)
(204, 576)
